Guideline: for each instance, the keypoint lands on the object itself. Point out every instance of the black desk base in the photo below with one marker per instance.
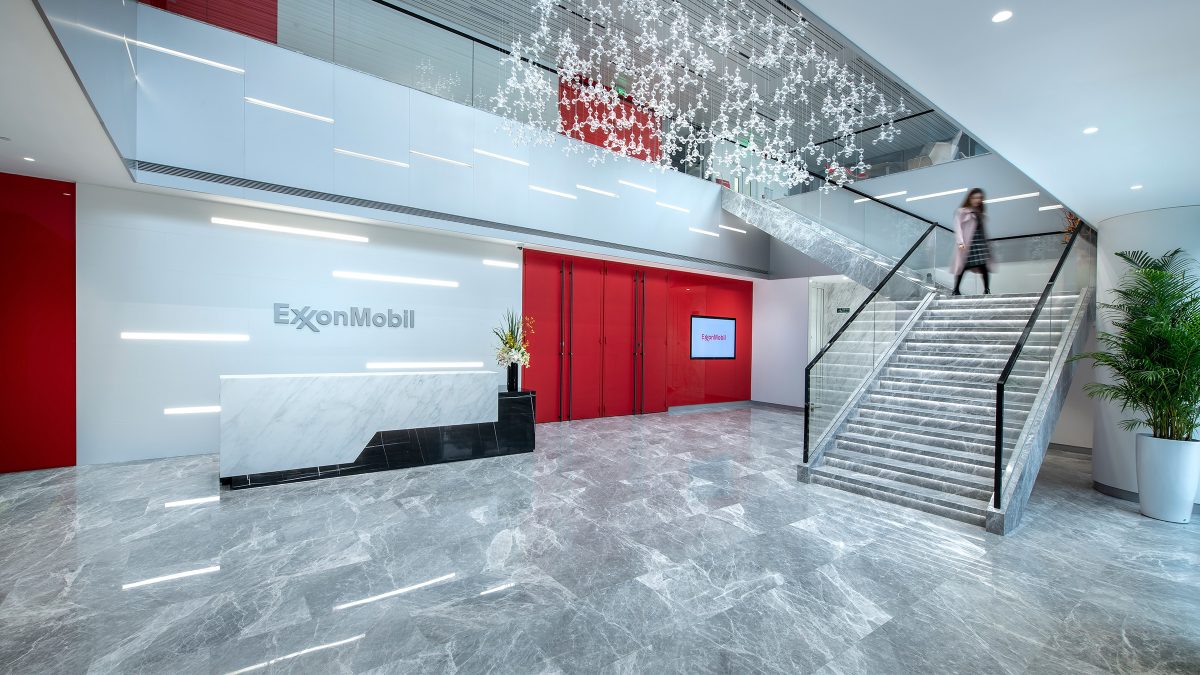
(512, 433)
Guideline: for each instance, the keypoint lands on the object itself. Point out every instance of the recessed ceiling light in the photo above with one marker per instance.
(1052, 207)
(700, 231)
(29, 159)
(1135, 187)
(1001, 16)
(731, 229)
(286, 229)
(556, 193)
(1091, 130)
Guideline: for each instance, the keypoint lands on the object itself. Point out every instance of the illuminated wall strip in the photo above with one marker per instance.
(503, 158)
(497, 589)
(186, 337)
(672, 207)
(598, 191)
(501, 263)
(416, 281)
(708, 232)
(292, 111)
(398, 591)
(171, 577)
(732, 229)
(890, 194)
(635, 185)
(285, 229)
(373, 158)
(1050, 208)
(439, 158)
(401, 365)
(189, 57)
(1010, 198)
(936, 194)
(302, 652)
(548, 191)
(193, 502)
(192, 410)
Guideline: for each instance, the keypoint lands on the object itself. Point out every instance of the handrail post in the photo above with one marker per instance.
(808, 408)
(997, 477)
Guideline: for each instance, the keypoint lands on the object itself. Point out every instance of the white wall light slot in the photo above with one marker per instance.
(409, 365)
(1091, 130)
(635, 186)
(285, 229)
(548, 191)
(890, 194)
(416, 281)
(398, 591)
(936, 194)
(598, 191)
(193, 502)
(170, 577)
(189, 57)
(731, 229)
(1050, 208)
(1136, 187)
(302, 652)
(672, 207)
(501, 263)
(291, 111)
(708, 232)
(192, 410)
(29, 159)
(997, 200)
(185, 337)
(1002, 16)
(373, 158)
(439, 158)
(503, 158)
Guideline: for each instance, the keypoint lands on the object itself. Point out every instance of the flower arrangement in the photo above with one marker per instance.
(513, 333)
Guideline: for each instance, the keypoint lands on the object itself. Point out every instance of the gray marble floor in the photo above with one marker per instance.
(656, 544)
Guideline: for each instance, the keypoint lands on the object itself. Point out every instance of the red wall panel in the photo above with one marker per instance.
(654, 346)
(256, 18)
(37, 280)
(620, 290)
(585, 314)
(542, 301)
(692, 382)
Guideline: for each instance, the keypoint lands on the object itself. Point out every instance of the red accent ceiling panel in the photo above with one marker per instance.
(587, 297)
(256, 18)
(620, 288)
(37, 280)
(654, 345)
(542, 301)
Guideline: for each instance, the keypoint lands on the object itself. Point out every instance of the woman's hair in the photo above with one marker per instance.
(971, 193)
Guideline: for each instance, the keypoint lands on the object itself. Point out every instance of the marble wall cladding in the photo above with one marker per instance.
(281, 422)
(835, 295)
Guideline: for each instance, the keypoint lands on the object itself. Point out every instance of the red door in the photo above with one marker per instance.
(620, 289)
(653, 317)
(586, 294)
(542, 300)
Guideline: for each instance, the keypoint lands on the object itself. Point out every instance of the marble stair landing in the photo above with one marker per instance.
(923, 435)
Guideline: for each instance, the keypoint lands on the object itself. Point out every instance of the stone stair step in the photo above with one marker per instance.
(950, 439)
(920, 475)
(967, 461)
(959, 508)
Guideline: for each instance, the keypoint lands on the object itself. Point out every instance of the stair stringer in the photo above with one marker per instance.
(870, 382)
(1039, 425)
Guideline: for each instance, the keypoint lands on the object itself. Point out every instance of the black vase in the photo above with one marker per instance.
(512, 376)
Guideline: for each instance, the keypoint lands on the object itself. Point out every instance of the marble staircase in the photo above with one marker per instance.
(923, 434)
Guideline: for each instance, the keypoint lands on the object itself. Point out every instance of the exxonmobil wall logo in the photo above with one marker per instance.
(354, 317)
(707, 337)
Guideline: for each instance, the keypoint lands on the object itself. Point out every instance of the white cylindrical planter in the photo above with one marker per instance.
(1167, 474)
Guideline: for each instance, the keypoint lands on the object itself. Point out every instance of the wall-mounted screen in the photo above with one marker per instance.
(713, 337)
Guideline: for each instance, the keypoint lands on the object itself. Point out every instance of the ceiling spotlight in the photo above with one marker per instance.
(29, 159)
(1002, 16)
(1135, 187)
(1091, 130)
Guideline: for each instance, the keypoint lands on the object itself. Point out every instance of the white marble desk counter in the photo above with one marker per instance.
(282, 422)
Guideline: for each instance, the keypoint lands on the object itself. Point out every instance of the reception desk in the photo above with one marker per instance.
(283, 428)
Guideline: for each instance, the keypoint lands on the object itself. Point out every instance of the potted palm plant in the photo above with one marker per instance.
(513, 350)
(1154, 358)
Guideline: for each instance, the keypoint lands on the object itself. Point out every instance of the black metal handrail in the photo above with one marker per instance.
(874, 292)
(998, 479)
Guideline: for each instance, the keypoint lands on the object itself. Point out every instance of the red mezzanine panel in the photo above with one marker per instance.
(654, 345)
(586, 292)
(37, 279)
(542, 300)
(620, 289)
(641, 134)
(256, 18)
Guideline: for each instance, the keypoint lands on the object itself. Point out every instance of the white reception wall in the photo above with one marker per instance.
(780, 341)
(155, 263)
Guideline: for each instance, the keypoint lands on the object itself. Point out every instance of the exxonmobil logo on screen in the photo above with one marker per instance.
(314, 319)
(713, 336)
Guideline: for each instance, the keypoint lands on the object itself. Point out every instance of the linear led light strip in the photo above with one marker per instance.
(708, 232)
(1010, 198)
(1050, 208)
(556, 193)
(731, 229)
(186, 337)
(189, 57)
(598, 191)
(394, 593)
(285, 229)
(193, 502)
(504, 158)
(438, 158)
(936, 194)
(373, 158)
(635, 186)
(416, 281)
(501, 263)
(192, 410)
(672, 207)
(170, 577)
(890, 194)
(497, 589)
(302, 652)
(292, 111)
(389, 365)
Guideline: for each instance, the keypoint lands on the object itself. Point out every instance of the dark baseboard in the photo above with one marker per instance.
(1072, 449)
(1126, 494)
(781, 406)
(707, 407)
